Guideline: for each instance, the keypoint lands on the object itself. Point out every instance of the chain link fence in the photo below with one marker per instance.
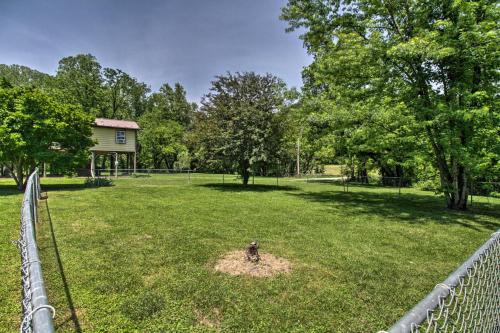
(478, 192)
(467, 301)
(481, 192)
(37, 314)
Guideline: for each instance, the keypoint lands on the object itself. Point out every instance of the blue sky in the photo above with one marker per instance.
(155, 41)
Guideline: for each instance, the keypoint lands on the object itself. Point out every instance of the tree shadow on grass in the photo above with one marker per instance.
(13, 190)
(9, 189)
(249, 188)
(410, 208)
(63, 187)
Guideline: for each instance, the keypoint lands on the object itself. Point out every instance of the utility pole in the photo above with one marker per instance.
(298, 157)
(298, 152)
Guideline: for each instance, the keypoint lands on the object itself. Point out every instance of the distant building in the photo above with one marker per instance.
(114, 137)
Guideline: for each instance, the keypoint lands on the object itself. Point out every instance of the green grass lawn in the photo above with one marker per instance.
(139, 256)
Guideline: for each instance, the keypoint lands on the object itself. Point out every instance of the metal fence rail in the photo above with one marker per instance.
(467, 301)
(37, 313)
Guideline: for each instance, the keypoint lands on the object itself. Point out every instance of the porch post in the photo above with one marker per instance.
(92, 165)
(116, 165)
(135, 162)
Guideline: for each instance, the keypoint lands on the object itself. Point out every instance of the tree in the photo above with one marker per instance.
(19, 75)
(35, 129)
(161, 142)
(164, 124)
(241, 114)
(307, 136)
(171, 103)
(110, 93)
(124, 96)
(80, 81)
(436, 60)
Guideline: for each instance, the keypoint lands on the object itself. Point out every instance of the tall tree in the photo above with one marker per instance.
(35, 129)
(80, 80)
(171, 103)
(19, 75)
(161, 142)
(124, 96)
(164, 125)
(439, 59)
(241, 111)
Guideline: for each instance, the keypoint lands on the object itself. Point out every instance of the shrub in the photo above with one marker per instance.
(428, 185)
(138, 175)
(98, 182)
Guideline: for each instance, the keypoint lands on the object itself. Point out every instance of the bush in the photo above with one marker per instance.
(98, 182)
(138, 175)
(428, 185)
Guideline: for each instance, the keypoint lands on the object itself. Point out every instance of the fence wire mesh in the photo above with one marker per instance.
(467, 301)
(36, 311)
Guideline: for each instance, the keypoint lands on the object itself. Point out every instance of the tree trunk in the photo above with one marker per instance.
(18, 174)
(19, 178)
(363, 173)
(457, 199)
(455, 188)
(245, 173)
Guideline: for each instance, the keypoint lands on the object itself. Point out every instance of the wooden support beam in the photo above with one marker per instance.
(92, 165)
(116, 165)
(135, 162)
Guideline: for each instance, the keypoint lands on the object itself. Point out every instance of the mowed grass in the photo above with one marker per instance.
(333, 170)
(139, 256)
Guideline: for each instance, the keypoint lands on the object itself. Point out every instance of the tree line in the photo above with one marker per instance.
(245, 123)
(407, 87)
(406, 90)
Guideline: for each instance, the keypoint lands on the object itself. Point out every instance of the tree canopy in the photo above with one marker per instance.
(171, 103)
(406, 88)
(35, 129)
(18, 75)
(80, 81)
(239, 120)
(408, 68)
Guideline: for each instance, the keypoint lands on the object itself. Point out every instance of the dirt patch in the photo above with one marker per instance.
(235, 263)
(213, 320)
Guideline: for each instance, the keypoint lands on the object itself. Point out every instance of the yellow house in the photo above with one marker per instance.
(114, 137)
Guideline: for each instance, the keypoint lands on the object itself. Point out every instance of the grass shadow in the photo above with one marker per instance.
(139, 176)
(9, 189)
(73, 315)
(63, 187)
(249, 188)
(410, 208)
(70, 187)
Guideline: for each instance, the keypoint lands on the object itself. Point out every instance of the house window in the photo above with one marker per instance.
(120, 136)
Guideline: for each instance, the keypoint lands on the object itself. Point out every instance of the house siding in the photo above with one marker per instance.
(105, 137)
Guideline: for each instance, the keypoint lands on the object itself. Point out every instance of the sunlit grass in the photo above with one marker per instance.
(138, 256)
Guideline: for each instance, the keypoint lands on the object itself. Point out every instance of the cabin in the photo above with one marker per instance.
(114, 137)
